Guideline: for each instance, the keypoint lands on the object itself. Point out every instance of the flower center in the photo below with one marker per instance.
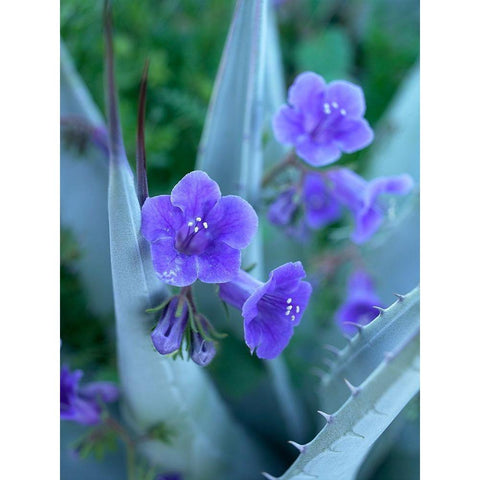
(332, 113)
(193, 238)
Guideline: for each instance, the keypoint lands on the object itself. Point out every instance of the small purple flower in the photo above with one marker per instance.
(321, 208)
(321, 120)
(284, 207)
(82, 404)
(360, 196)
(197, 233)
(270, 310)
(358, 306)
(202, 350)
(168, 334)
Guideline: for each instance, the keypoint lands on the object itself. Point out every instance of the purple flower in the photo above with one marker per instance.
(202, 350)
(197, 233)
(82, 404)
(270, 310)
(360, 196)
(358, 306)
(321, 208)
(284, 207)
(168, 334)
(322, 120)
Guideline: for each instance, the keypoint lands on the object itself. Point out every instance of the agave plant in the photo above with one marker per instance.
(232, 250)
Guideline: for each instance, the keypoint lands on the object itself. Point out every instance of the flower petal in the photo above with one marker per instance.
(367, 223)
(397, 185)
(347, 187)
(347, 96)
(269, 338)
(305, 91)
(171, 266)
(317, 154)
(106, 391)
(320, 207)
(195, 194)
(287, 125)
(353, 135)
(282, 210)
(232, 221)
(160, 219)
(219, 263)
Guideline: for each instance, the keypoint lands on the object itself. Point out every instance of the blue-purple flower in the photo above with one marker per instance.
(314, 201)
(270, 310)
(321, 120)
(321, 208)
(82, 404)
(168, 334)
(361, 198)
(358, 306)
(197, 233)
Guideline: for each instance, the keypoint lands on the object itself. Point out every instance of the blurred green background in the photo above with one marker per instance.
(373, 43)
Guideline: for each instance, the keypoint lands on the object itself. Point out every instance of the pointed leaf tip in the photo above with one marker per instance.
(333, 349)
(358, 326)
(380, 309)
(400, 297)
(142, 181)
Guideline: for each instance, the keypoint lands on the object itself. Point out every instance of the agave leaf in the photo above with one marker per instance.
(231, 149)
(397, 150)
(338, 451)
(205, 443)
(83, 210)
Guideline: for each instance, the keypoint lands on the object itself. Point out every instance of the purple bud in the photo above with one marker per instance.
(202, 350)
(168, 334)
(359, 303)
(282, 210)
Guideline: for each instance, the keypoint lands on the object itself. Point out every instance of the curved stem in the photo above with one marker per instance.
(289, 160)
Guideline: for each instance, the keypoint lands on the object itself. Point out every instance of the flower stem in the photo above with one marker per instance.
(289, 160)
(129, 444)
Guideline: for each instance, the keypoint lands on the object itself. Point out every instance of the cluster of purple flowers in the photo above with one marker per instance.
(195, 233)
(83, 404)
(322, 195)
(321, 121)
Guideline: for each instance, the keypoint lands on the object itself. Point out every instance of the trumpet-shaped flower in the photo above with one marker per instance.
(321, 120)
(270, 310)
(197, 233)
(358, 306)
(81, 404)
(361, 198)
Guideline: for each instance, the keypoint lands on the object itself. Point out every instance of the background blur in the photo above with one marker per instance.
(372, 43)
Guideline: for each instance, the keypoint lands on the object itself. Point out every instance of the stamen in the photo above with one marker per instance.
(293, 318)
(190, 224)
(289, 300)
(297, 309)
(196, 229)
(198, 219)
(326, 108)
(343, 111)
(205, 225)
(334, 104)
